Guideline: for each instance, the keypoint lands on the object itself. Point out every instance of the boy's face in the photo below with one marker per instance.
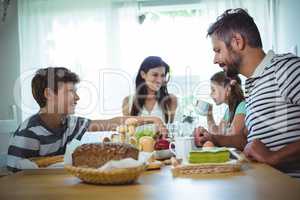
(65, 100)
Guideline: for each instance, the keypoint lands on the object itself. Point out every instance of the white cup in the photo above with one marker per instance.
(202, 107)
(183, 146)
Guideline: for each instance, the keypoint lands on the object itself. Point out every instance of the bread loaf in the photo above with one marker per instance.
(47, 160)
(95, 155)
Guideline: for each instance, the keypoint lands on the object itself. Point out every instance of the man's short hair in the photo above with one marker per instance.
(49, 78)
(239, 21)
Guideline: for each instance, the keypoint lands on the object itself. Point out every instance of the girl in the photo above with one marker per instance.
(228, 91)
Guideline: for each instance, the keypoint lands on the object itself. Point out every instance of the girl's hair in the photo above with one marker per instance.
(236, 94)
(162, 96)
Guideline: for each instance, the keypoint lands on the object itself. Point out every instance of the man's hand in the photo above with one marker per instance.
(201, 135)
(257, 151)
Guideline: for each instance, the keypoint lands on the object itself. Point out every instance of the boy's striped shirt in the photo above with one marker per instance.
(34, 139)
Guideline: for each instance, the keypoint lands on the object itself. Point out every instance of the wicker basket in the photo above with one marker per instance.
(190, 169)
(116, 176)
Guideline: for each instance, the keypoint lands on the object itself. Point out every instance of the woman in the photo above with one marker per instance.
(151, 96)
(228, 91)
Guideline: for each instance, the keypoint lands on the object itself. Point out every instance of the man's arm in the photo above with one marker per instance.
(256, 150)
(238, 141)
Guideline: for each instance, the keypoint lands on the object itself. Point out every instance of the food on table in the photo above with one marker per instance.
(131, 124)
(144, 132)
(161, 144)
(162, 151)
(115, 137)
(211, 155)
(167, 162)
(132, 141)
(208, 144)
(122, 138)
(122, 129)
(122, 133)
(106, 139)
(154, 165)
(146, 143)
(95, 155)
(47, 160)
(175, 162)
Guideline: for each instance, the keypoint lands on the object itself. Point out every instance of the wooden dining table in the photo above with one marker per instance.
(254, 181)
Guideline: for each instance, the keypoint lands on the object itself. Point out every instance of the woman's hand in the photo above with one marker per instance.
(159, 124)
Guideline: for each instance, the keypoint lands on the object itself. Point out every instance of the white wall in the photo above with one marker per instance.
(288, 29)
(9, 72)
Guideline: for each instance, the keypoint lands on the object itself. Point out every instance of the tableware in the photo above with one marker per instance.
(202, 107)
(183, 145)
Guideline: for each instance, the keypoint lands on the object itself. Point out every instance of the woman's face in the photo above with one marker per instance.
(154, 78)
(218, 93)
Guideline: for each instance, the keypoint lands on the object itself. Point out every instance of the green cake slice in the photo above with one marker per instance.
(209, 155)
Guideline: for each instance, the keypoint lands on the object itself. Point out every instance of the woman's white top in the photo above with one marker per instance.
(156, 110)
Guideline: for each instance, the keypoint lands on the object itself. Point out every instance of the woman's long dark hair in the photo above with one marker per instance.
(162, 96)
(236, 95)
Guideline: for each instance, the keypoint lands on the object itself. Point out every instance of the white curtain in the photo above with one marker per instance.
(104, 42)
(82, 36)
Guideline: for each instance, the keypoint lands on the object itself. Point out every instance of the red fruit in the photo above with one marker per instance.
(161, 144)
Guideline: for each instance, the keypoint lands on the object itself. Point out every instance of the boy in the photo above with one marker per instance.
(48, 132)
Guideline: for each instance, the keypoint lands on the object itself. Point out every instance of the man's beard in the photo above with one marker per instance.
(233, 68)
(232, 71)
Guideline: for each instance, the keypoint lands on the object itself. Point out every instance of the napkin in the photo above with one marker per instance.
(120, 164)
(71, 146)
(110, 165)
(26, 164)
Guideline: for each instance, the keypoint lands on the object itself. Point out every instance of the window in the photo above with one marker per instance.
(105, 42)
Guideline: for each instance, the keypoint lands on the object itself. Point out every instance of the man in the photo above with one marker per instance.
(272, 133)
(48, 132)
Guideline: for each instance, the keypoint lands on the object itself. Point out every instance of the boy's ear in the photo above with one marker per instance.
(238, 41)
(48, 93)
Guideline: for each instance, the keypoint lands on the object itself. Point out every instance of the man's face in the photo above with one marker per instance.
(227, 58)
(65, 100)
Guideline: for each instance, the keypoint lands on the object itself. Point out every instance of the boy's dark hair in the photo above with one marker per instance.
(49, 78)
(236, 20)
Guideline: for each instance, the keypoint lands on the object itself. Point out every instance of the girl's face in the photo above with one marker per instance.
(219, 93)
(154, 78)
